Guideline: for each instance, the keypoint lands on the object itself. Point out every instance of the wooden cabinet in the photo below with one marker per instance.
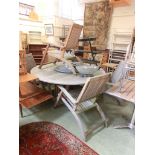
(37, 51)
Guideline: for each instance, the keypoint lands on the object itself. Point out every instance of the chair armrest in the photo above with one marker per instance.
(67, 94)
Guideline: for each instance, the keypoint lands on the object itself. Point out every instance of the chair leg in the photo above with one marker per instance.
(104, 119)
(77, 119)
(58, 98)
(21, 110)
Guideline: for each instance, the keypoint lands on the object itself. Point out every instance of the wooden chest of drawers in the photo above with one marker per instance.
(37, 52)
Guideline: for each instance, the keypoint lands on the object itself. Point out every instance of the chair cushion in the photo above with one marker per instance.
(117, 74)
(30, 63)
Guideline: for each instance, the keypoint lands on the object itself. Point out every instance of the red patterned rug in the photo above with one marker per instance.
(45, 138)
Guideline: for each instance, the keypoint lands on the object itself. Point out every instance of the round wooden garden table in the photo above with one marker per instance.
(48, 74)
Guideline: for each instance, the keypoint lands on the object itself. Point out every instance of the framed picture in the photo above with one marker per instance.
(25, 9)
(49, 29)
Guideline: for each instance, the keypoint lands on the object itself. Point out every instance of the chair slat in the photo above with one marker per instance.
(94, 86)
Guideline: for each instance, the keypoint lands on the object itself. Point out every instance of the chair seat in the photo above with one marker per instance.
(75, 91)
(31, 95)
(85, 105)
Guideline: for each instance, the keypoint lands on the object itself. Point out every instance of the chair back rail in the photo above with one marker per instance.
(70, 43)
(93, 87)
(73, 37)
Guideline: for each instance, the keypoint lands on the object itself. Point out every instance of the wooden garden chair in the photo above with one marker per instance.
(30, 63)
(93, 87)
(70, 43)
(121, 72)
(29, 94)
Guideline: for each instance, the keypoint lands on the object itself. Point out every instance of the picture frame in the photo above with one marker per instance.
(49, 29)
(25, 9)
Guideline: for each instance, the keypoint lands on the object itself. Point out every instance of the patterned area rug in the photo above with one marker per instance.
(45, 138)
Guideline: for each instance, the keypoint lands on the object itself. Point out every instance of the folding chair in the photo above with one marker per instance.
(29, 94)
(70, 42)
(94, 86)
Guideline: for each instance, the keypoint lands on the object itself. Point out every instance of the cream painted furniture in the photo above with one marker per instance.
(119, 52)
(86, 100)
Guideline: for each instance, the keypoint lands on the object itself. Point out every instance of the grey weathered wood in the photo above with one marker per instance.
(49, 75)
(93, 87)
(127, 89)
(127, 93)
(70, 43)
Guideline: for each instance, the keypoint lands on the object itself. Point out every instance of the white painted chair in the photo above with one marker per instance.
(93, 87)
(118, 73)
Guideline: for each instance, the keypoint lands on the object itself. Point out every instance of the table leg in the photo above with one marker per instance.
(129, 125)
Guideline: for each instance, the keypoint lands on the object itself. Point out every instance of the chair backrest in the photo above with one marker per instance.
(115, 56)
(30, 62)
(22, 62)
(119, 72)
(70, 42)
(93, 87)
(72, 38)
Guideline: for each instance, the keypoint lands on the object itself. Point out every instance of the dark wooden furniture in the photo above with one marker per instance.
(37, 52)
(29, 94)
(105, 57)
(89, 49)
(104, 54)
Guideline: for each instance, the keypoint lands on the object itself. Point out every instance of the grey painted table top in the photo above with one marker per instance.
(49, 75)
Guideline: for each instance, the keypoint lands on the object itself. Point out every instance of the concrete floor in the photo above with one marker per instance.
(107, 141)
